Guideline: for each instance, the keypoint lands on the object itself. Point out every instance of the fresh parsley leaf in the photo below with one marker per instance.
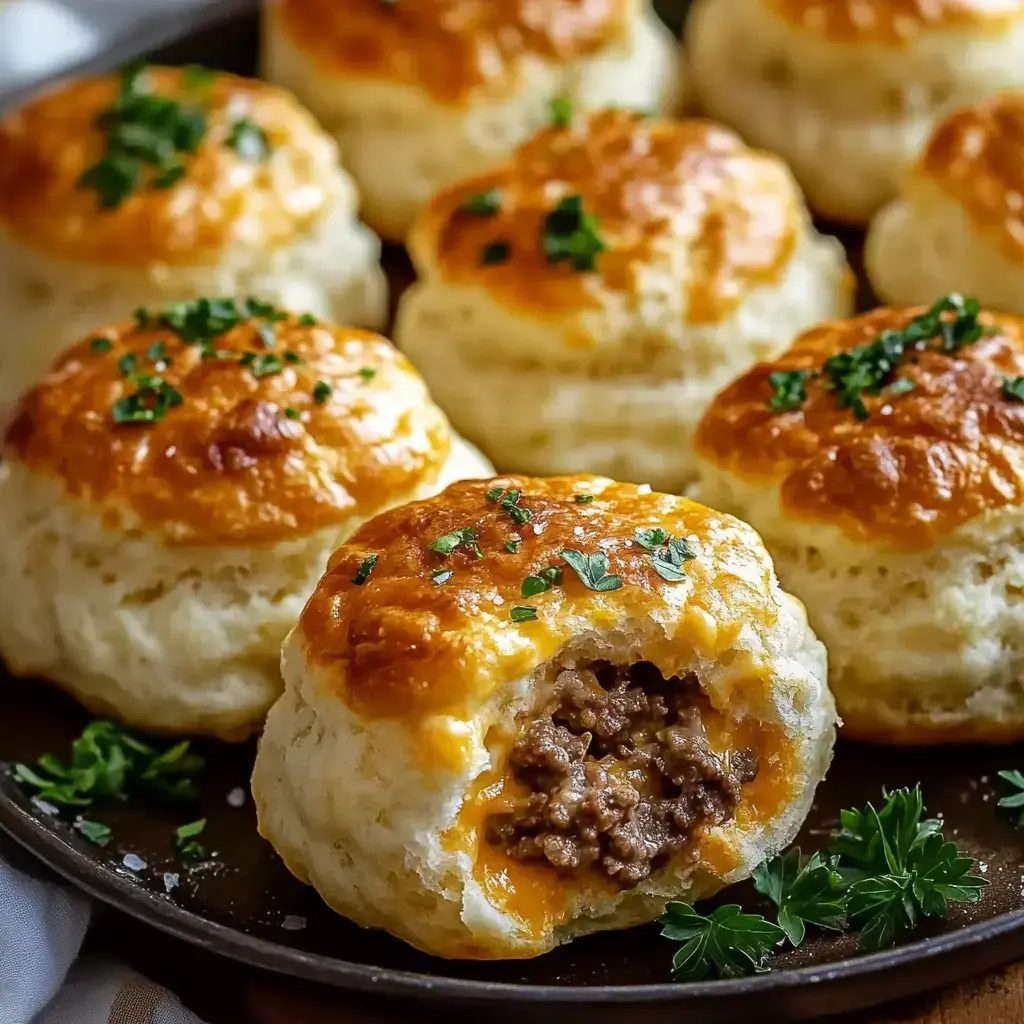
(805, 893)
(668, 563)
(1013, 388)
(523, 613)
(367, 373)
(249, 141)
(494, 493)
(365, 568)
(263, 364)
(127, 364)
(157, 355)
(544, 580)
(899, 868)
(101, 344)
(292, 413)
(561, 111)
(307, 320)
(583, 499)
(466, 538)
(790, 389)
(94, 831)
(512, 545)
(651, 539)
(592, 570)
(149, 404)
(322, 392)
(185, 840)
(483, 204)
(267, 334)
(495, 253)
(902, 386)
(1014, 801)
(571, 235)
(726, 944)
(510, 504)
(198, 78)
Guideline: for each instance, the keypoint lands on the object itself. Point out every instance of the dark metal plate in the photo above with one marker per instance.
(245, 905)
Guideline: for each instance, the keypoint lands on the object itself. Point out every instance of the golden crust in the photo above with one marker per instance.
(406, 646)
(223, 199)
(654, 186)
(228, 465)
(450, 48)
(921, 464)
(893, 22)
(977, 156)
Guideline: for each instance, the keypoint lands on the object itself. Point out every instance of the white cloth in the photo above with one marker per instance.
(42, 38)
(42, 926)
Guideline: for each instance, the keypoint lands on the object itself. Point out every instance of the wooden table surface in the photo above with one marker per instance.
(222, 992)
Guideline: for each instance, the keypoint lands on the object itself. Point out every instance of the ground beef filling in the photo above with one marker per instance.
(620, 774)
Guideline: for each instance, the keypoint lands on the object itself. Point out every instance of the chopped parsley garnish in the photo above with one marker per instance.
(101, 344)
(1013, 388)
(494, 493)
(322, 392)
(523, 613)
(804, 893)
(483, 204)
(668, 553)
(544, 580)
(570, 234)
(147, 138)
(307, 320)
(367, 373)
(441, 576)
(185, 840)
(108, 761)
(726, 944)
(94, 831)
(249, 140)
(262, 364)
(127, 364)
(494, 253)
(1015, 801)
(149, 404)
(196, 77)
(902, 386)
(465, 538)
(510, 504)
(157, 355)
(885, 872)
(292, 413)
(267, 334)
(592, 570)
(512, 545)
(364, 570)
(583, 499)
(292, 357)
(868, 369)
(790, 389)
(560, 111)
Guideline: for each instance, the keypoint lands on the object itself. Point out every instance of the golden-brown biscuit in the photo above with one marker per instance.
(958, 223)
(166, 184)
(421, 94)
(885, 472)
(847, 91)
(170, 493)
(487, 774)
(578, 307)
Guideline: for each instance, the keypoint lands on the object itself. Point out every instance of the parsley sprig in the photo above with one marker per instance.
(109, 761)
(572, 235)
(727, 942)
(1014, 801)
(869, 369)
(592, 570)
(668, 553)
(886, 871)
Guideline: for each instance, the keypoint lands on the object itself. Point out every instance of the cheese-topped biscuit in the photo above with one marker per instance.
(168, 183)
(847, 91)
(959, 220)
(525, 710)
(421, 94)
(882, 460)
(578, 307)
(171, 490)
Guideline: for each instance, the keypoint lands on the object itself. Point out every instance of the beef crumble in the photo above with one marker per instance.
(620, 774)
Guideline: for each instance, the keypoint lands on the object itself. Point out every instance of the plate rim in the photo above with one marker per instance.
(119, 891)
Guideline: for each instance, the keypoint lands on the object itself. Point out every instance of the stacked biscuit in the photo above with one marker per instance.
(545, 703)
